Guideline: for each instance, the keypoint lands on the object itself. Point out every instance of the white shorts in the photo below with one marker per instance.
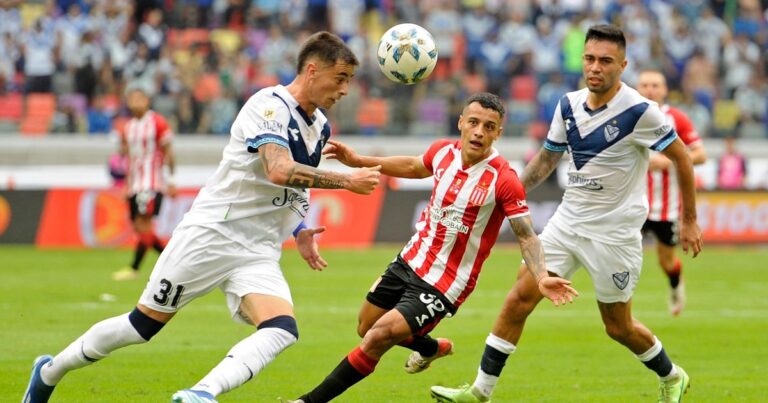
(197, 260)
(614, 269)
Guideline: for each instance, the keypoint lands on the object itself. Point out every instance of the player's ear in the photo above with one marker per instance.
(461, 117)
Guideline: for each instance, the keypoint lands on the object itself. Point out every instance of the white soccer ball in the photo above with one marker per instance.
(407, 53)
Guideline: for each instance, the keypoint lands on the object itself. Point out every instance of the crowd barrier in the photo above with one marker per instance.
(85, 218)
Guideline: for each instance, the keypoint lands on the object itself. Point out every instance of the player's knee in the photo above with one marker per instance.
(283, 322)
(144, 325)
(617, 331)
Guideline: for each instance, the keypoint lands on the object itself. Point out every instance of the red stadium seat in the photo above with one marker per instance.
(11, 107)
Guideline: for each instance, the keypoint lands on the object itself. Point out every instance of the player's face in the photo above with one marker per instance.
(603, 64)
(329, 83)
(652, 85)
(479, 127)
(138, 102)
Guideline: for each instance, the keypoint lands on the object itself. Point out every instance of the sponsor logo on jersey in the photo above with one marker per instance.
(294, 133)
(621, 279)
(270, 126)
(583, 181)
(269, 114)
(664, 129)
(450, 219)
(611, 132)
(294, 200)
(479, 194)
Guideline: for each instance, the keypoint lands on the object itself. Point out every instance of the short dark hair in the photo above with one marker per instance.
(607, 32)
(487, 101)
(328, 47)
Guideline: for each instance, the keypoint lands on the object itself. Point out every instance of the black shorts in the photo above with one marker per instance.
(421, 304)
(667, 232)
(145, 203)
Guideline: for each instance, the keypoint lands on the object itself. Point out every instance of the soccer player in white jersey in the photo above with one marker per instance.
(607, 128)
(474, 191)
(663, 197)
(233, 234)
(146, 140)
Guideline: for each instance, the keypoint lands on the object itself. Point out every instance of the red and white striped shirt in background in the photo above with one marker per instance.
(145, 137)
(461, 222)
(663, 190)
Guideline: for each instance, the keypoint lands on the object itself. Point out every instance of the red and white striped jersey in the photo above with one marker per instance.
(461, 222)
(663, 191)
(145, 137)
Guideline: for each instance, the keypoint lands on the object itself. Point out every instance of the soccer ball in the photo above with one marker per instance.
(407, 53)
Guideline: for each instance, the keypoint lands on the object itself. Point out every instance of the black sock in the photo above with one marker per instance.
(660, 364)
(425, 345)
(138, 255)
(342, 377)
(674, 277)
(493, 361)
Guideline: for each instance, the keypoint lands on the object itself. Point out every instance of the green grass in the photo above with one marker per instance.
(50, 297)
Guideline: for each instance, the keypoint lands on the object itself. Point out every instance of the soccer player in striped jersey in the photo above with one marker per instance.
(607, 128)
(146, 140)
(474, 191)
(232, 236)
(663, 195)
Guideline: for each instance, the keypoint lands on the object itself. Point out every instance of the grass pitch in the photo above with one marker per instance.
(50, 297)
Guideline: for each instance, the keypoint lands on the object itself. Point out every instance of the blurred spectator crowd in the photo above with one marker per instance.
(64, 64)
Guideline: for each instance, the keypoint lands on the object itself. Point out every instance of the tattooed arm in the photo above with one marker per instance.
(555, 288)
(282, 170)
(540, 167)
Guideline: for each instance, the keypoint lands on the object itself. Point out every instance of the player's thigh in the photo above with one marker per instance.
(195, 261)
(614, 269)
(559, 253)
(422, 306)
(261, 283)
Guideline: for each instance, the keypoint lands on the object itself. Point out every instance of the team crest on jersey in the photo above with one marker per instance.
(455, 186)
(621, 279)
(479, 194)
(611, 132)
(269, 114)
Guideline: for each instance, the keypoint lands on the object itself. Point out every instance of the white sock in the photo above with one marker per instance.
(246, 359)
(485, 383)
(95, 344)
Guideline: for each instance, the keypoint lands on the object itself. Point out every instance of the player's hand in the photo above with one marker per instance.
(308, 249)
(335, 150)
(364, 180)
(659, 162)
(171, 190)
(557, 289)
(690, 237)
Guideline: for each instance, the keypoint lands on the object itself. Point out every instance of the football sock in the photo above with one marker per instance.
(497, 350)
(351, 370)
(157, 243)
(674, 276)
(425, 345)
(138, 254)
(246, 359)
(95, 344)
(656, 360)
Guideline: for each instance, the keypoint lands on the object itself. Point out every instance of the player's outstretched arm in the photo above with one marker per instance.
(282, 170)
(540, 167)
(690, 233)
(397, 166)
(557, 289)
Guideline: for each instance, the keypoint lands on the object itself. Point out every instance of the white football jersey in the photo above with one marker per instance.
(238, 200)
(606, 195)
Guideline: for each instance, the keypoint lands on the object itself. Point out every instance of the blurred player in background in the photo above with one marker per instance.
(607, 128)
(474, 191)
(146, 141)
(663, 195)
(232, 236)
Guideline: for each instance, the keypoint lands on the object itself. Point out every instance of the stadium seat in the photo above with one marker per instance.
(227, 40)
(38, 114)
(725, 117)
(11, 106)
(373, 115)
(523, 88)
